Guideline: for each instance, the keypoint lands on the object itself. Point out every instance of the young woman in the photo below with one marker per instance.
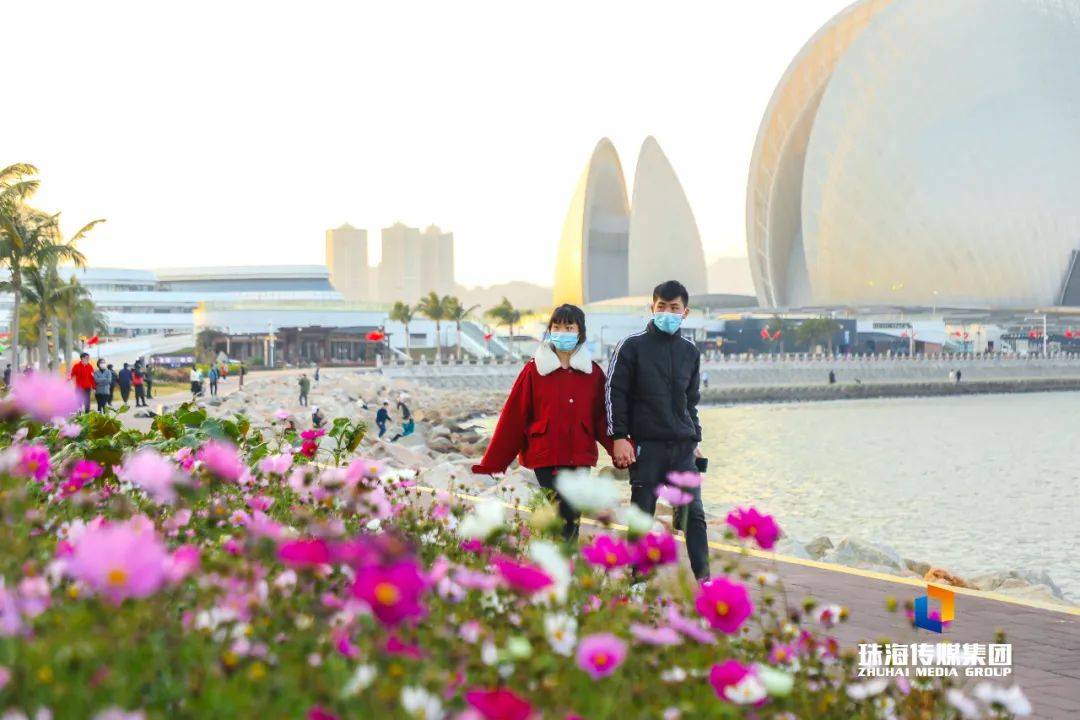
(555, 414)
(103, 385)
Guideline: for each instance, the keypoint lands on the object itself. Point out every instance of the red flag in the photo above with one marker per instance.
(1069, 333)
(775, 336)
(376, 336)
(764, 333)
(93, 341)
(487, 337)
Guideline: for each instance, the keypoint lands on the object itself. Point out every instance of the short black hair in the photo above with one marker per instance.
(670, 290)
(568, 314)
(84, 355)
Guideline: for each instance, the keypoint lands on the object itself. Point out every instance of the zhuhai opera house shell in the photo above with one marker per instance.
(610, 249)
(922, 152)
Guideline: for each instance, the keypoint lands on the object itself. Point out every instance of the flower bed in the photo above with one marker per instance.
(206, 569)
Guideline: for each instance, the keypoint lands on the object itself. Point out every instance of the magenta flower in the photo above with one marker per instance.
(299, 553)
(318, 713)
(522, 577)
(652, 550)
(82, 473)
(735, 682)
(782, 655)
(607, 552)
(183, 562)
(500, 704)
(276, 464)
(685, 480)
(185, 458)
(312, 434)
(673, 495)
(44, 396)
(600, 655)
(152, 473)
(724, 604)
(748, 522)
(33, 462)
(119, 560)
(655, 635)
(393, 593)
(221, 459)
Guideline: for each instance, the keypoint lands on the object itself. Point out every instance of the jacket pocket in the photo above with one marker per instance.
(538, 428)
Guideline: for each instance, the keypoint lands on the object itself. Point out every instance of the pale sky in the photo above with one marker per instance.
(220, 133)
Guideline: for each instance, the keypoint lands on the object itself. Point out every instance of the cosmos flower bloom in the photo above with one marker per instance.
(44, 396)
(82, 473)
(298, 553)
(724, 604)
(33, 462)
(601, 654)
(308, 448)
(1012, 699)
(183, 562)
(119, 560)
(586, 493)
(561, 632)
(607, 552)
(655, 635)
(221, 459)
(276, 464)
(673, 495)
(652, 550)
(150, 471)
(521, 577)
(312, 434)
(484, 521)
(737, 683)
(393, 593)
(685, 480)
(748, 522)
(500, 704)
(185, 458)
(281, 414)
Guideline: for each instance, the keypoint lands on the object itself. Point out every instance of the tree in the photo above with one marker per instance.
(457, 313)
(434, 308)
(506, 314)
(402, 313)
(817, 331)
(66, 307)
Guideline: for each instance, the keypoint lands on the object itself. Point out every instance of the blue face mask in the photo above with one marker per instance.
(563, 341)
(667, 322)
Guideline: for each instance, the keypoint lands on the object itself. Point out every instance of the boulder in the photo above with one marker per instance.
(819, 546)
(440, 443)
(868, 556)
(439, 431)
(1020, 583)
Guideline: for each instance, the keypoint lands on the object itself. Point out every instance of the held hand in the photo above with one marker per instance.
(623, 455)
(697, 452)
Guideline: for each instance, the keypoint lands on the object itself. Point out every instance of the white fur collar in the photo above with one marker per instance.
(547, 361)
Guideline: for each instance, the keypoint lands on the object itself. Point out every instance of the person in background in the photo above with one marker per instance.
(382, 417)
(705, 379)
(148, 381)
(103, 379)
(406, 414)
(123, 379)
(196, 382)
(652, 397)
(317, 418)
(407, 428)
(213, 377)
(83, 375)
(316, 373)
(138, 382)
(7, 376)
(242, 372)
(555, 414)
(305, 388)
(832, 377)
(115, 382)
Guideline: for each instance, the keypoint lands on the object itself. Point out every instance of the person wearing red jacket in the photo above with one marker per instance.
(82, 373)
(555, 413)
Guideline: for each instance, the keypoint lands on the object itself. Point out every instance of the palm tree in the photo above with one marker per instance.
(457, 313)
(402, 313)
(506, 314)
(434, 308)
(66, 306)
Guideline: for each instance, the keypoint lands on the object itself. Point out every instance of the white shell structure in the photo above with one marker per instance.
(922, 152)
(593, 251)
(664, 240)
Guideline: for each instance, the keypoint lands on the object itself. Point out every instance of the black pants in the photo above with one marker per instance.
(655, 459)
(140, 396)
(213, 388)
(125, 393)
(149, 389)
(102, 402)
(571, 517)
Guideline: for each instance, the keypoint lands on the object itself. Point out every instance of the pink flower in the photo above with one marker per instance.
(179, 519)
(221, 459)
(692, 629)
(260, 502)
(183, 562)
(652, 550)
(782, 655)
(724, 604)
(312, 434)
(276, 464)
(473, 580)
(281, 414)
(151, 472)
(33, 462)
(728, 677)
(685, 480)
(119, 560)
(298, 553)
(522, 577)
(318, 713)
(655, 635)
(185, 458)
(499, 704)
(607, 551)
(393, 592)
(396, 646)
(308, 448)
(673, 495)
(471, 546)
(600, 655)
(83, 472)
(44, 396)
(748, 522)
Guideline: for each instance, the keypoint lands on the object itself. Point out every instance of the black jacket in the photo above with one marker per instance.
(652, 387)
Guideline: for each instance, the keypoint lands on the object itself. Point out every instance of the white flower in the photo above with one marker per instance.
(870, 688)
(486, 518)
(421, 704)
(636, 520)
(885, 707)
(561, 631)
(586, 493)
(748, 691)
(551, 560)
(360, 681)
(672, 713)
(767, 579)
(1012, 699)
(489, 654)
(963, 704)
(777, 682)
(673, 675)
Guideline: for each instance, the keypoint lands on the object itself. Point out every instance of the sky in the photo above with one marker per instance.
(221, 133)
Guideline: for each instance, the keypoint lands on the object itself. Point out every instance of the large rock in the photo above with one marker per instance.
(1032, 584)
(440, 444)
(868, 556)
(818, 547)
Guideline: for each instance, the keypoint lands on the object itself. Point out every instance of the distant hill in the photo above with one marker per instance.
(730, 276)
(521, 294)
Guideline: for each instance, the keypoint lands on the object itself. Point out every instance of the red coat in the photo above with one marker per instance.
(83, 375)
(553, 418)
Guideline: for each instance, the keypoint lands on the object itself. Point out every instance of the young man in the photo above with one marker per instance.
(213, 377)
(305, 388)
(382, 417)
(82, 373)
(652, 395)
(123, 379)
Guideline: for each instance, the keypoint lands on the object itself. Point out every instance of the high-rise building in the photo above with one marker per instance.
(437, 262)
(347, 260)
(415, 263)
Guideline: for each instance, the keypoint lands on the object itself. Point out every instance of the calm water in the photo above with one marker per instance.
(976, 483)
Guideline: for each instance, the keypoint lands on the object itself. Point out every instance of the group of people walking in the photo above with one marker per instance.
(643, 412)
(101, 382)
